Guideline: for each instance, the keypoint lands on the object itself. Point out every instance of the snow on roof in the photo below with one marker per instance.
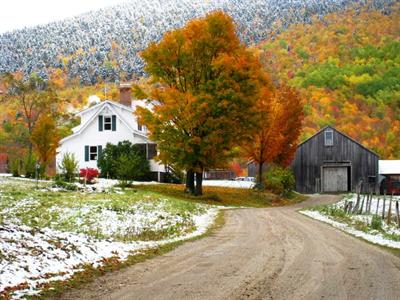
(389, 167)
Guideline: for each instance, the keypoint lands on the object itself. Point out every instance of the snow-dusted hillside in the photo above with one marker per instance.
(105, 43)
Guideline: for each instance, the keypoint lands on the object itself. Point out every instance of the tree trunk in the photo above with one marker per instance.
(190, 182)
(199, 184)
(260, 171)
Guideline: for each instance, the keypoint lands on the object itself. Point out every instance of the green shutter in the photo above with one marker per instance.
(86, 153)
(100, 123)
(99, 149)
(114, 122)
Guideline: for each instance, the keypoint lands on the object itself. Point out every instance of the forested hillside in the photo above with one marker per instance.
(103, 45)
(347, 67)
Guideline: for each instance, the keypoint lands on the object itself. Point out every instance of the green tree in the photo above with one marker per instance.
(69, 167)
(208, 83)
(123, 161)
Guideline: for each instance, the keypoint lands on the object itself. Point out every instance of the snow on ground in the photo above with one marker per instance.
(103, 184)
(376, 238)
(48, 235)
(377, 202)
(100, 184)
(33, 257)
(229, 183)
(388, 235)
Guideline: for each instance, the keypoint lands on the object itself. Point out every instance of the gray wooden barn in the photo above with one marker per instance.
(331, 161)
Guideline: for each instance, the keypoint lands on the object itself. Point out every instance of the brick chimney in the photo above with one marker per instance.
(125, 94)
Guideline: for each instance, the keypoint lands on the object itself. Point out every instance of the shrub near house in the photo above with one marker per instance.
(123, 161)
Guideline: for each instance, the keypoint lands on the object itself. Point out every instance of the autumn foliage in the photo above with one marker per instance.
(208, 84)
(275, 136)
(45, 139)
(346, 67)
(88, 174)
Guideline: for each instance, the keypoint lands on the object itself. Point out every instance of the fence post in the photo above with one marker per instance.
(371, 195)
(384, 206)
(359, 187)
(350, 207)
(362, 205)
(389, 216)
(377, 206)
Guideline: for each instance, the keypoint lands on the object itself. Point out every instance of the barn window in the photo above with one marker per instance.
(329, 138)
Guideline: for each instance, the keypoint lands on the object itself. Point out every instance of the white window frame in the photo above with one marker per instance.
(107, 123)
(94, 153)
(327, 141)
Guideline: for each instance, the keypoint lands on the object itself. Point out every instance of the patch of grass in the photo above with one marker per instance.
(392, 236)
(224, 196)
(74, 211)
(54, 289)
(376, 223)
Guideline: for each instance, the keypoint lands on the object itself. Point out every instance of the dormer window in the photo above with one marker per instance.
(328, 138)
(107, 122)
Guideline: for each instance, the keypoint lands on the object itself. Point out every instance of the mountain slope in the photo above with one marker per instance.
(104, 44)
(347, 67)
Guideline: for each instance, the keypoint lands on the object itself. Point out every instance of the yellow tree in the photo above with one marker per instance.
(31, 98)
(45, 139)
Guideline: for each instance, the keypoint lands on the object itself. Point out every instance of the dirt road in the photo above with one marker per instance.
(260, 254)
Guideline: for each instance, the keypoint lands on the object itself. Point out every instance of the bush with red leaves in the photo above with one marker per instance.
(88, 175)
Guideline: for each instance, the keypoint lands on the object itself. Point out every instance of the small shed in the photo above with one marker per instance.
(332, 162)
(390, 171)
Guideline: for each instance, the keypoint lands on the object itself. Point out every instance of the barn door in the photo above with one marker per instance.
(335, 179)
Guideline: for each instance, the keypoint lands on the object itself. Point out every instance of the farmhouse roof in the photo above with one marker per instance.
(100, 107)
(345, 135)
(389, 167)
(102, 103)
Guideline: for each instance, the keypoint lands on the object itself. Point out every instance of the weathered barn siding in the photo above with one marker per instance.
(312, 156)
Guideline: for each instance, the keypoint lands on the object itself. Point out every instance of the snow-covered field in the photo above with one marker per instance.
(361, 225)
(48, 235)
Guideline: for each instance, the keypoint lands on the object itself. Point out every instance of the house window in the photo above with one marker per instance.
(93, 152)
(139, 127)
(107, 123)
(329, 138)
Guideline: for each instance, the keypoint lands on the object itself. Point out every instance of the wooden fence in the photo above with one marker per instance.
(385, 206)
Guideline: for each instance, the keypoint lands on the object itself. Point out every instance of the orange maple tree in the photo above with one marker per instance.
(208, 82)
(274, 139)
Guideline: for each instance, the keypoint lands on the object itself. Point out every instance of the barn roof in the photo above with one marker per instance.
(389, 167)
(345, 135)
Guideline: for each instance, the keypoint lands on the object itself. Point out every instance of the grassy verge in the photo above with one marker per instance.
(91, 213)
(55, 289)
(224, 196)
(369, 227)
(394, 251)
(367, 223)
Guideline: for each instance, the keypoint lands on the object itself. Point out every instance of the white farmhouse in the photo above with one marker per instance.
(109, 122)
